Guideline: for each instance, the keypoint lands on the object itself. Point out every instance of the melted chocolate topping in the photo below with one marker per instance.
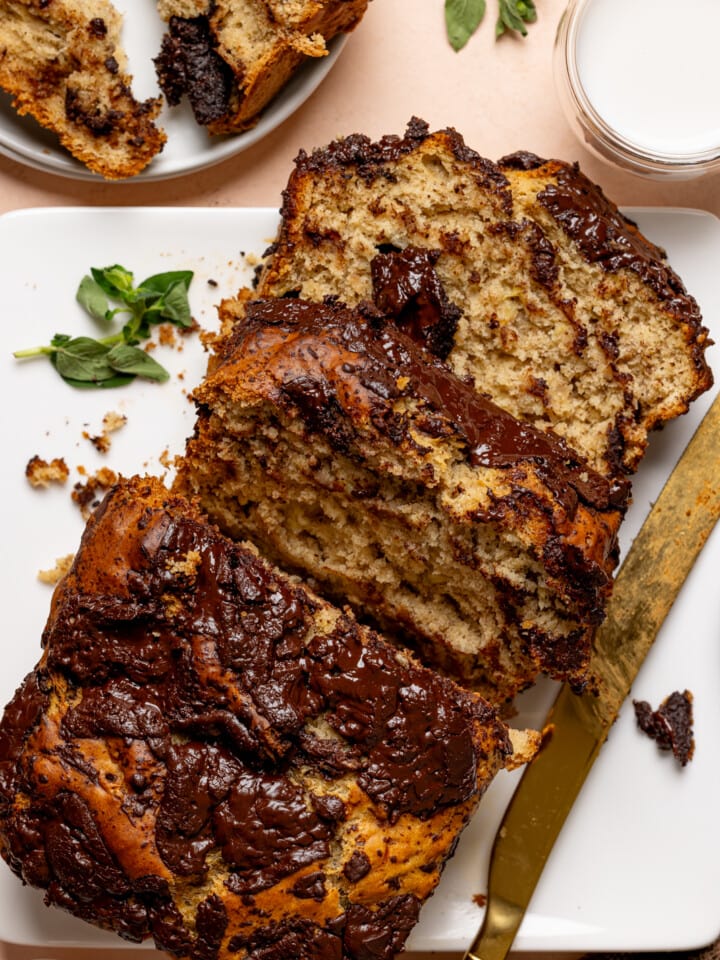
(389, 364)
(372, 159)
(380, 934)
(204, 666)
(406, 288)
(604, 236)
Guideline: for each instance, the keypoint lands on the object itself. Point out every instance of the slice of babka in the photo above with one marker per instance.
(209, 754)
(562, 311)
(350, 453)
(63, 63)
(231, 57)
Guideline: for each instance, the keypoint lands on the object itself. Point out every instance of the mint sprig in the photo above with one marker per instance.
(463, 17)
(115, 359)
(514, 14)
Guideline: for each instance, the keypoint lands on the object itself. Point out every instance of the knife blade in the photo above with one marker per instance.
(649, 580)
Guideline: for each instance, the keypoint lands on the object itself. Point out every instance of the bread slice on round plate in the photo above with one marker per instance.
(231, 57)
(64, 64)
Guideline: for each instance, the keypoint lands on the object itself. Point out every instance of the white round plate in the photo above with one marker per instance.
(189, 147)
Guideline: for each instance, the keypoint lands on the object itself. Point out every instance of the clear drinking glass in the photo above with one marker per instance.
(639, 82)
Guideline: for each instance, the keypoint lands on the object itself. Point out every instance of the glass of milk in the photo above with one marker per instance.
(639, 81)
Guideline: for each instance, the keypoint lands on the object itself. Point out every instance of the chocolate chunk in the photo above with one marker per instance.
(671, 725)
(379, 934)
(407, 288)
(188, 64)
(357, 867)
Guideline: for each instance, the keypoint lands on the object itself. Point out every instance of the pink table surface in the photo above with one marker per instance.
(398, 63)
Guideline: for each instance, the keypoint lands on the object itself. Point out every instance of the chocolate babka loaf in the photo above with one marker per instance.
(63, 63)
(350, 453)
(561, 310)
(209, 754)
(231, 57)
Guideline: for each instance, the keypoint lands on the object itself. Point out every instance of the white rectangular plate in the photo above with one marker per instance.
(637, 866)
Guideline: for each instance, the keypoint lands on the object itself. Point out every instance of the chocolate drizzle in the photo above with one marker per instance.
(605, 237)
(390, 365)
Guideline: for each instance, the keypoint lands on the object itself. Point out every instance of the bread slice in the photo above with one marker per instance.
(63, 63)
(567, 316)
(209, 754)
(231, 57)
(351, 454)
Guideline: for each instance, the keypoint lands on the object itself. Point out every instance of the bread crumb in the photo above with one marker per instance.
(187, 567)
(192, 327)
(111, 422)
(55, 575)
(89, 494)
(166, 335)
(40, 473)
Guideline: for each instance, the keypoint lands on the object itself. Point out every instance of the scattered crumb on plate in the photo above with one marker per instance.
(111, 422)
(42, 473)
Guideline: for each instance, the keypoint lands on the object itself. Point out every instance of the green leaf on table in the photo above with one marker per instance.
(118, 380)
(462, 18)
(161, 282)
(116, 281)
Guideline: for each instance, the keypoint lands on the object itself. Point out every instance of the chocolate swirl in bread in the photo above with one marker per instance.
(351, 453)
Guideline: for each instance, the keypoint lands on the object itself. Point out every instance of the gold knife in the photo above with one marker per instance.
(646, 586)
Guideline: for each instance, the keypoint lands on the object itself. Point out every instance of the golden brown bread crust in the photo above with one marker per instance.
(209, 754)
(567, 316)
(63, 63)
(351, 454)
(231, 57)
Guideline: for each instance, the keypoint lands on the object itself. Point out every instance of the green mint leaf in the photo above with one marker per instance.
(175, 305)
(462, 18)
(83, 358)
(131, 360)
(161, 282)
(514, 14)
(116, 281)
(93, 298)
